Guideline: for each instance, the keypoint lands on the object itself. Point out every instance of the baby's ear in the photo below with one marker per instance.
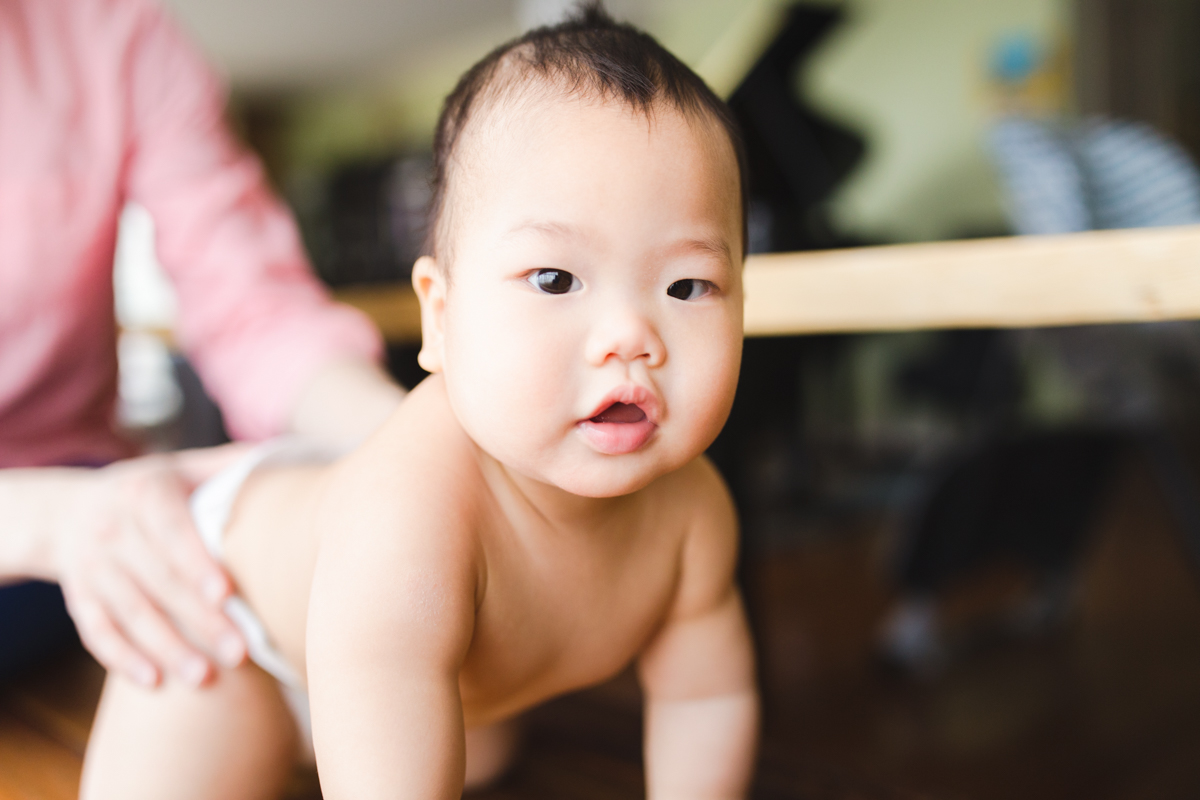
(430, 285)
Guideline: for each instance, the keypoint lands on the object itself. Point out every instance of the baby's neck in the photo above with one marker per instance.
(559, 508)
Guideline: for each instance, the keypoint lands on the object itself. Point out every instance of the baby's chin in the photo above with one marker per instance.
(602, 486)
(609, 476)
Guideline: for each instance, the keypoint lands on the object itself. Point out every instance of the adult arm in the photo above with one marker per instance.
(133, 571)
(345, 401)
(698, 673)
(272, 348)
(269, 343)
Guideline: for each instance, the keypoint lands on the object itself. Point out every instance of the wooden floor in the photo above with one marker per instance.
(1105, 708)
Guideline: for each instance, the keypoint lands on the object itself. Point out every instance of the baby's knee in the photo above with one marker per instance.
(490, 752)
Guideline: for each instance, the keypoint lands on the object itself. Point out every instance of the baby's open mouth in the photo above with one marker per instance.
(620, 413)
(625, 424)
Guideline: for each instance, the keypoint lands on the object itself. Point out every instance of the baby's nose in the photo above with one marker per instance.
(625, 335)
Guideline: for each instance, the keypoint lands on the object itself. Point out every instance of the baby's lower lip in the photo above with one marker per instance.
(616, 438)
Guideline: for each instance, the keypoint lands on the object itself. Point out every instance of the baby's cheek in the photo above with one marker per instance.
(530, 354)
(710, 381)
(510, 376)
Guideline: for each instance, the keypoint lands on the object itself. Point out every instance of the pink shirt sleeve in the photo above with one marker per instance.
(252, 317)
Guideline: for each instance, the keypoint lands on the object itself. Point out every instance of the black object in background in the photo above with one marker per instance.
(795, 161)
(402, 364)
(1028, 501)
(971, 375)
(367, 224)
(796, 158)
(201, 423)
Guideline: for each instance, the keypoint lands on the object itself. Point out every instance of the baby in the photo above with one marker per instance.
(538, 514)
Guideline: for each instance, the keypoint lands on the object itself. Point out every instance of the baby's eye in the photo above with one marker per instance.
(690, 289)
(555, 281)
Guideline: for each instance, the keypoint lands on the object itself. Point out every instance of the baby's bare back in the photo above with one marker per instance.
(558, 603)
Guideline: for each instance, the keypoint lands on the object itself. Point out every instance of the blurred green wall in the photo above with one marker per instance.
(913, 76)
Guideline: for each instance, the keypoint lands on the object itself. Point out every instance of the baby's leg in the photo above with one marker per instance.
(490, 752)
(235, 740)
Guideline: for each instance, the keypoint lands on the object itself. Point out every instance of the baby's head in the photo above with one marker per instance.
(582, 295)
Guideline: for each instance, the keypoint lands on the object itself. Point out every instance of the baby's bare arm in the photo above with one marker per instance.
(698, 672)
(702, 707)
(390, 619)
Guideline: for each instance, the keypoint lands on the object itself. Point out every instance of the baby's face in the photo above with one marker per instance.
(590, 333)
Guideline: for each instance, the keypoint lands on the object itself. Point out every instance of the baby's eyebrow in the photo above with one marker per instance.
(709, 246)
(713, 246)
(559, 229)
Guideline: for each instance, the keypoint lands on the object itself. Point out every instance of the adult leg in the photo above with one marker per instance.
(234, 739)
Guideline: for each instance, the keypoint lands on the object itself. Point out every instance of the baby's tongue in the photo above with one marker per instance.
(620, 412)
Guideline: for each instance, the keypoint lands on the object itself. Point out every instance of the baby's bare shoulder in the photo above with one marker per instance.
(398, 558)
(417, 477)
(398, 569)
(698, 495)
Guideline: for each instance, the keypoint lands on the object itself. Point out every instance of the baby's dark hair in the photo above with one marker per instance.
(588, 53)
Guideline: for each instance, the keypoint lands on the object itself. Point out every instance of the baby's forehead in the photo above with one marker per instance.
(520, 109)
(520, 96)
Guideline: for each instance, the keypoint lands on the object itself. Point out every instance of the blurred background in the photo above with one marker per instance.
(971, 557)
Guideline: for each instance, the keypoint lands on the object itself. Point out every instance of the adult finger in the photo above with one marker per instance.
(148, 629)
(204, 625)
(166, 516)
(104, 640)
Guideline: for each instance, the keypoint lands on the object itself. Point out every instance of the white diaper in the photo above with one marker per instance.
(211, 505)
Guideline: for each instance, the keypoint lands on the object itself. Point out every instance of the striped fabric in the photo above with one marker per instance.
(1045, 190)
(1136, 178)
(1099, 174)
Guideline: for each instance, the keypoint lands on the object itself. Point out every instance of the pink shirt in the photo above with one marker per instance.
(103, 101)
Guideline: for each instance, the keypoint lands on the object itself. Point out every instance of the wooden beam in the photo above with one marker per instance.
(1102, 276)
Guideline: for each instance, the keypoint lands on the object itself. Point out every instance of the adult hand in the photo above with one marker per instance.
(144, 592)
